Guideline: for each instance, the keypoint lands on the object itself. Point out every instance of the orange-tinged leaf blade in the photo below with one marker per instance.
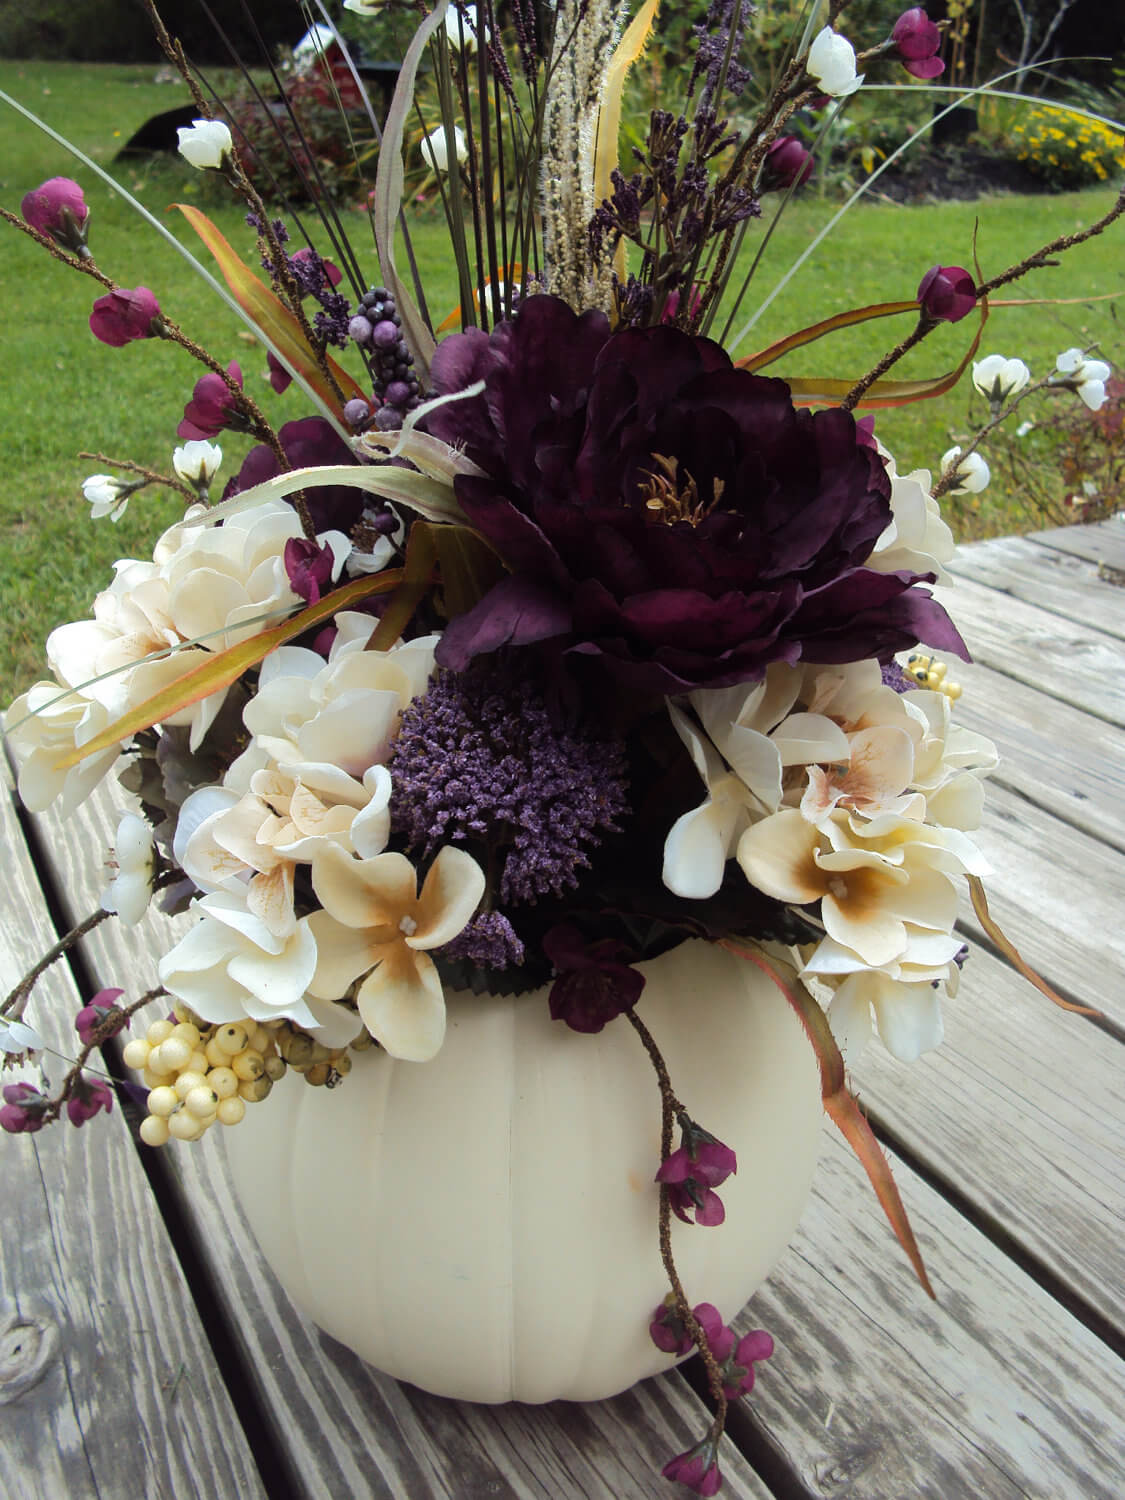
(270, 313)
(513, 276)
(886, 392)
(1012, 953)
(843, 1109)
(816, 331)
(228, 666)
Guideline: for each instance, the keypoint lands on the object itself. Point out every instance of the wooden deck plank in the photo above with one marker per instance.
(341, 1427)
(1076, 664)
(1058, 582)
(1057, 893)
(1103, 542)
(1051, 754)
(994, 1392)
(1021, 1109)
(90, 1284)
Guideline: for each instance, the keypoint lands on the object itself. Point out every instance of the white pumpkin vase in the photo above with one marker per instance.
(485, 1225)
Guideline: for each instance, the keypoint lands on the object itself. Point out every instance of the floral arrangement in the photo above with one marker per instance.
(535, 651)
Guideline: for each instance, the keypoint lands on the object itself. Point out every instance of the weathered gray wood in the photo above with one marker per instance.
(1020, 1108)
(1100, 543)
(1077, 664)
(1051, 754)
(106, 1388)
(1055, 581)
(1057, 893)
(343, 1428)
(876, 1393)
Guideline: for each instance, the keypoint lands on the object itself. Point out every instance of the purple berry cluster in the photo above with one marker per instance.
(377, 328)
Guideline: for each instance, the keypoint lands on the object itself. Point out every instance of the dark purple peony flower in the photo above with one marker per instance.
(698, 1468)
(947, 294)
(57, 207)
(918, 41)
(23, 1109)
(212, 405)
(307, 443)
(122, 316)
(94, 1015)
(787, 164)
(667, 517)
(89, 1098)
(692, 1172)
(593, 984)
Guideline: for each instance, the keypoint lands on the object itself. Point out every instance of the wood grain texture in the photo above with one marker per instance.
(1019, 1110)
(1058, 582)
(876, 1393)
(106, 1388)
(1057, 893)
(1077, 664)
(1101, 543)
(1055, 756)
(339, 1427)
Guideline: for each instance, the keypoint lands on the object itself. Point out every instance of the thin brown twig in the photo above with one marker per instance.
(14, 1003)
(151, 476)
(85, 264)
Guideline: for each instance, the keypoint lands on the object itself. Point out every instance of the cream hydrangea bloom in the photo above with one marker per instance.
(376, 923)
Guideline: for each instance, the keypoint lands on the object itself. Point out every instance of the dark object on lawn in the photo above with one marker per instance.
(158, 133)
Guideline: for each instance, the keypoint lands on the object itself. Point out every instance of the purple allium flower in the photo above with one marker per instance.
(479, 758)
(698, 1468)
(95, 1014)
(309, 442)
(488, 940)
(122, 316)
(23, 1109)
(666, 517)
(918, 41)
(57, 207)
(699, 1165)
(593, 985)
(894, 677)
(947, 294)
(89, 1098)
(787, 163)
(312, 271)
(308, 566)
(212, 406)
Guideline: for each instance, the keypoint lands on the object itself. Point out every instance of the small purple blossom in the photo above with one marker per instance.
(918, 41)
(737, 1363)
(308, 566)
(670, 1333)
(787, 164)
(102, 1008)
(698, 1468)
(692, 1172)
(212, 406)
(947, 294)
(90, 1097)
(122, 316)
(593, 984)
(57, 208)
(23, 1110)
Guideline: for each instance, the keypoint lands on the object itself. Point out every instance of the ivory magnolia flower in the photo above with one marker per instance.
(204, 143)
(435, 148)
(375, 922)
(917, 539)
(107, 496)
(1085, 376)
(971, 473)
(908, 1016)
(831, 62)
(999, 379)
(130, 890)
(42, 726)
(868, 888)
(197, 462)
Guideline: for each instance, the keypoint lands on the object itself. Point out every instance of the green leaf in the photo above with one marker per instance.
(842, 1107)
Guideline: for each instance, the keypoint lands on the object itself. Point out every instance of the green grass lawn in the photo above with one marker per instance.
(63, 392)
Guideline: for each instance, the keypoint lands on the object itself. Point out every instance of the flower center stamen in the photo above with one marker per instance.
(669, 498)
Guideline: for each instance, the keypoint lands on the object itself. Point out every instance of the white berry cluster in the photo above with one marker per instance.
(199, 1075)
